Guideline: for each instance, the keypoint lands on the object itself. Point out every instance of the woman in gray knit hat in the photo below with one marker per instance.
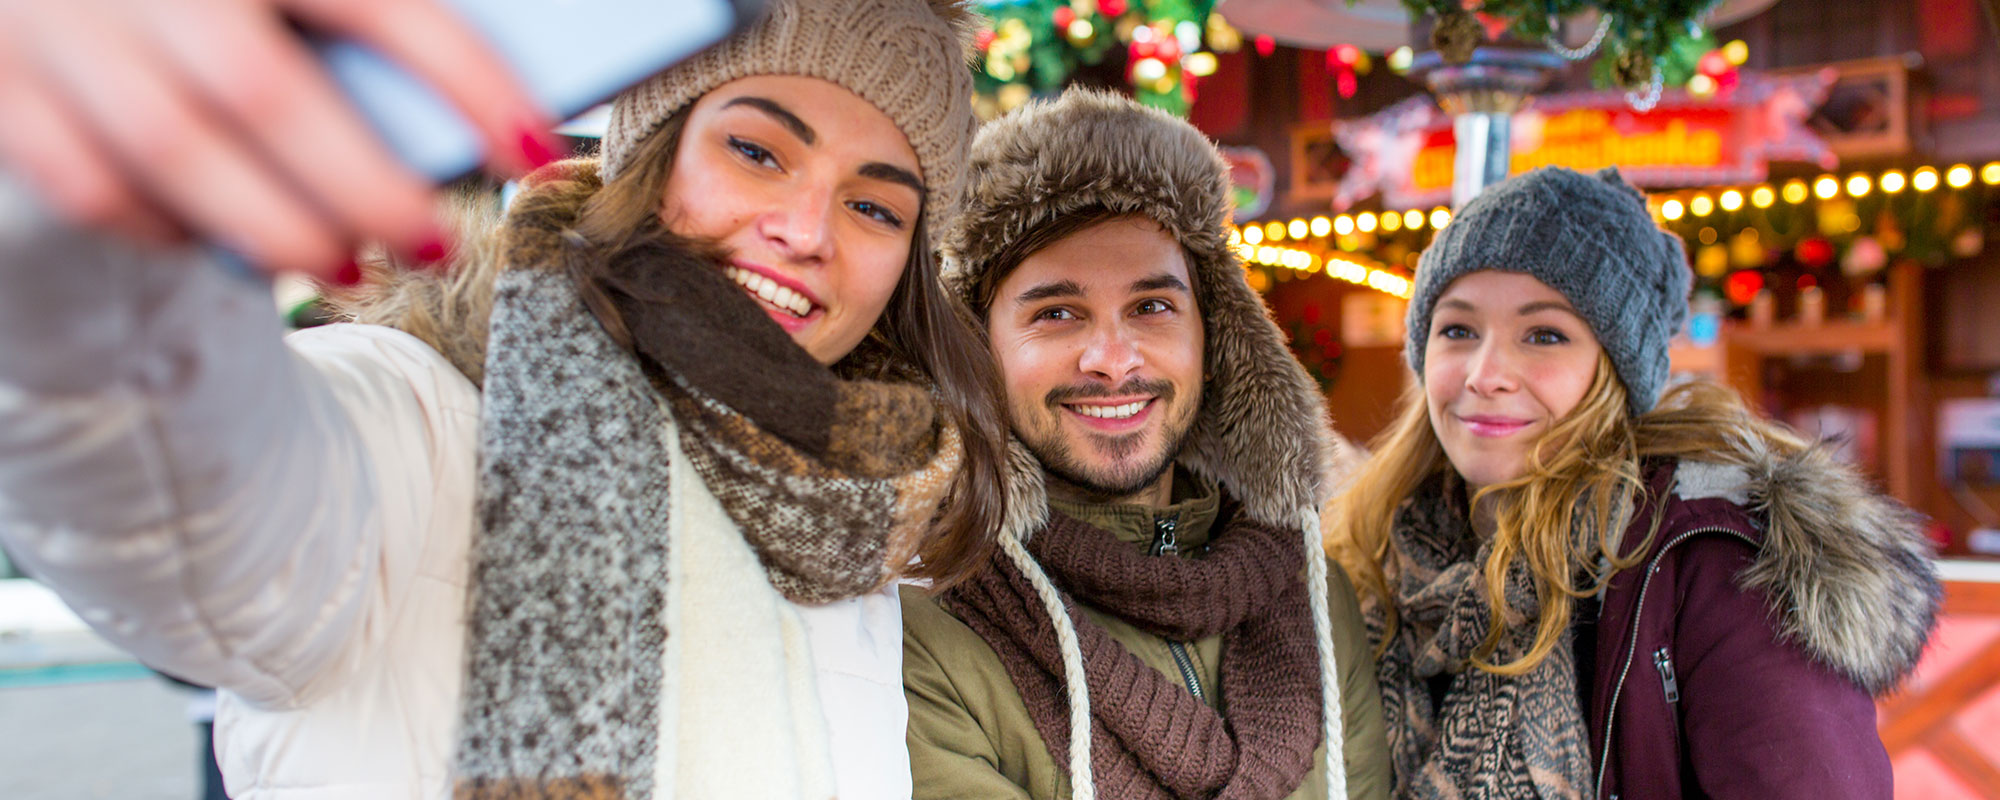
(609, 506)
(1693, 601)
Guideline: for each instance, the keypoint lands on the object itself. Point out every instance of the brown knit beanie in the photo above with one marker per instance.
(907, 57)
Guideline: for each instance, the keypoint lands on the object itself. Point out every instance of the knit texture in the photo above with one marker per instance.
(1152, 737)
(906, 57)
(1589, 237)
(1493, 735)
(567, 627)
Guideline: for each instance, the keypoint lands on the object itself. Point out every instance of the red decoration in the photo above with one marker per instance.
(1742, 287)
(1807, 282)
(1713, 65)
(1063, 16)
(1310, 313)
(1815, 252)
(984, 39)
(1143, 50)
(1167, 48)
(1266, 46)
(1111, 8)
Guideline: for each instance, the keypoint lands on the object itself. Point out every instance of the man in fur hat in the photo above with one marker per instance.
(1171, 628)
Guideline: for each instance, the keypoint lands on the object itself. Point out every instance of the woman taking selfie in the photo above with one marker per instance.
(1691, 601)
(606, 508)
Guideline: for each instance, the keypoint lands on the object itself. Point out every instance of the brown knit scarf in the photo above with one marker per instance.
(1150, 737)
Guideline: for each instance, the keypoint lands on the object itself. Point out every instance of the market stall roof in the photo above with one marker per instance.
(1384, 25)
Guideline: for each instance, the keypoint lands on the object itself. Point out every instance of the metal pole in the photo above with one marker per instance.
(1482, 96)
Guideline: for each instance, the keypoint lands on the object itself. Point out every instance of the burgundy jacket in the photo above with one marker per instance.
(1740, 656)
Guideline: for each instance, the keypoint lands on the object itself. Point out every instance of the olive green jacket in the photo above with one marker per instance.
(970, 734)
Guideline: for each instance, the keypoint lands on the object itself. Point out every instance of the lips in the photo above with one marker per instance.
(1494, 426)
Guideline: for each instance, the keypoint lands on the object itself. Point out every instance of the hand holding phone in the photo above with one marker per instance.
(212, 119)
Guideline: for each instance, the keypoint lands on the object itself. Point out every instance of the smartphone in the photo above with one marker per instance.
(570, 54)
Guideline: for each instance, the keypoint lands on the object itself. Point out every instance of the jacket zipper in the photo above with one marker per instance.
(1164, 544)
(1632, 647)
(1665, 664)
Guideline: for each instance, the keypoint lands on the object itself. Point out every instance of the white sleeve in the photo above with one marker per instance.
(231, 510)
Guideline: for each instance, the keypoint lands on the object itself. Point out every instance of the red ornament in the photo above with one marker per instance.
(1167, 48)
(1111, 8)
(984, 39)
(1062, 17)
(1144, 50)
(1713, 64)
(1742, 287)
(1323, 337)
(1807, 282)
(1310, 313)
(1266, 46)
(1815, 252)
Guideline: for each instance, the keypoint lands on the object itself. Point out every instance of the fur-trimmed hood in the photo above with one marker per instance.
(1850, 573)
(1262, 431)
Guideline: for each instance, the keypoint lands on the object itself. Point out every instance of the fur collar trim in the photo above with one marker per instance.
(1849, 571)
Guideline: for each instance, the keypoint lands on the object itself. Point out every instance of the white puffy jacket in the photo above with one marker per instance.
(289, 519)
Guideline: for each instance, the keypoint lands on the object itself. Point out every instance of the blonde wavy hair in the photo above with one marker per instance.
(1584, 470)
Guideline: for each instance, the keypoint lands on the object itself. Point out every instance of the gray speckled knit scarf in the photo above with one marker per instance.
(829, 481)
(1493, 736)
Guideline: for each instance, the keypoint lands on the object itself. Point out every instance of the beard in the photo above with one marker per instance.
(1110, 466)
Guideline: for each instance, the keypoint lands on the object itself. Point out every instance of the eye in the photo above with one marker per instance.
(1056, 314)
(1547, 336)
(1152, 306)
(878, 212)
(756, 153)
(1454, 331)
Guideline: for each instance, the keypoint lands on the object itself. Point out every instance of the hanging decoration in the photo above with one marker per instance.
(1637, 43)
(1033, 46)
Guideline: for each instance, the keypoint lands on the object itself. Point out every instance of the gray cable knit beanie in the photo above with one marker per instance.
(1589, 237)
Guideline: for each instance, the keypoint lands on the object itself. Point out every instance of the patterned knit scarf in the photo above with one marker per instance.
(1151, 738)
(830, 481)
(1493, 736)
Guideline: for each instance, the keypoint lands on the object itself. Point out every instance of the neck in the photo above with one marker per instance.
(1485, 515)
(1158, 494)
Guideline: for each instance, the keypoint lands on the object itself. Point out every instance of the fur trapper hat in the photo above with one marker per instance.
(907, 57)
(1262, 431)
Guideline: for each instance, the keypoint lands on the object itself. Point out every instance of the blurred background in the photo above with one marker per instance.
(1833, 166)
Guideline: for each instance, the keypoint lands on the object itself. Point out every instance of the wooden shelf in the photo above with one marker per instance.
(1824, 339)
(1737, 358)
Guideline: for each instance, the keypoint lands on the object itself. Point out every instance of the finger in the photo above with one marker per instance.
(178, 154)
(43, 144)
(261, 79)
(438, 46)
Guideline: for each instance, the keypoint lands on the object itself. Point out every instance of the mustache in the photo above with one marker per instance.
(1086, 391)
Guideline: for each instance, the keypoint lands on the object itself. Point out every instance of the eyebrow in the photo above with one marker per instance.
(780, 113)
(894, 174)
(1536, 306)
(1158, 282)
(1044, 291)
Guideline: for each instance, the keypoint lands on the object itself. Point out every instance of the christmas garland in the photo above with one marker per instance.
(1643, 43)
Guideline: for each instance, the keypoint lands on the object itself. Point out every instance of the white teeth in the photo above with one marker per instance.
(769, 291)
(1125, 411)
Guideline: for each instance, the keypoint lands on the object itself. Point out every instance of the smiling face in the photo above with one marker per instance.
(1100, 343)
(812, 191)
(1506, 357)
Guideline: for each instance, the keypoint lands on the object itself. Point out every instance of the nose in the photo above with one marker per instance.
(799, 223)
(1110, 354)
(1493, 370)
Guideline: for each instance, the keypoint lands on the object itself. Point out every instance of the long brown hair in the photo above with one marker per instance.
(1583, 471)
(922, 327)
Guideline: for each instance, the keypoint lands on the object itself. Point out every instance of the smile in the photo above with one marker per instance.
(1123, 411)
(777, 297)
(1494, 427)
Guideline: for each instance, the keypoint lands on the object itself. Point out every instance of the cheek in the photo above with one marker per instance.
(1562, 385)
(869, 278)
(700, 203)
